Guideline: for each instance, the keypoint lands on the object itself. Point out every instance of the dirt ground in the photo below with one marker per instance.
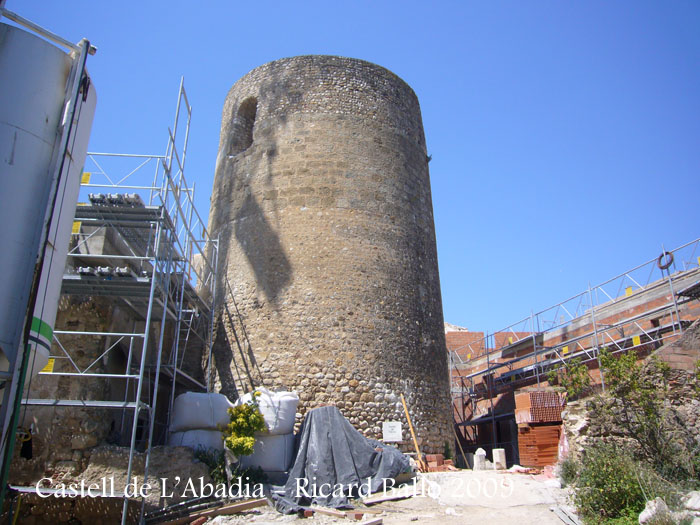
(447, 498)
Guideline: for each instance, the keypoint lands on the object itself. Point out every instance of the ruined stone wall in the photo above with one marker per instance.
(322, 204)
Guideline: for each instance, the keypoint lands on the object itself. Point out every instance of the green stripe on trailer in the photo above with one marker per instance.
(42, 328)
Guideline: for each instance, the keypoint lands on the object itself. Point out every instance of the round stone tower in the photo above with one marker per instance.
(328, 275)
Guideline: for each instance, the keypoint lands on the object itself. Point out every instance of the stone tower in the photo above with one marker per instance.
(322, 205)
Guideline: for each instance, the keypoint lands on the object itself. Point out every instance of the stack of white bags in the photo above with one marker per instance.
(197, 417)
(274, 449)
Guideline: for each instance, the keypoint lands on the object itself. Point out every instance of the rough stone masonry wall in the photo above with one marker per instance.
(322, 204)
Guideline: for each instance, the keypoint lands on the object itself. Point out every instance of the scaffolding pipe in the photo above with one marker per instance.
(673, 293)
(142, 368)
(159, 357)
(595, 338)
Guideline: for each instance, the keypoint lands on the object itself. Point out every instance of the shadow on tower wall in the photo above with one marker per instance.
(234, 358)
(230, 335)
(263, 249)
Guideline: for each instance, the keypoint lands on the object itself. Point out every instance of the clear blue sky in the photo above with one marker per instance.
(565, 136)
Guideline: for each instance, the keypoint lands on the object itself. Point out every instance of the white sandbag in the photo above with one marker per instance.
(278, 409)
(194, 439)
(199, 411)
(271, 453)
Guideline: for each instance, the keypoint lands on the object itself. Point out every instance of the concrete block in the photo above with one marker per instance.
(480, 459)
(499, 458)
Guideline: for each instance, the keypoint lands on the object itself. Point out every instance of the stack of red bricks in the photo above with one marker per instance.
(438, 463)
(538, 445)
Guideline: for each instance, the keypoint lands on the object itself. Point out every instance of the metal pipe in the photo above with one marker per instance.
(85, 374)
(493, 416)
(159, 353)
(45, 32)
(534, 345)
(144, 354)
(126, 386)
(110, 256)
(121, 186)
(101, 334)
(673, 296)
(595, 338)
(102, 154)
(211, 314)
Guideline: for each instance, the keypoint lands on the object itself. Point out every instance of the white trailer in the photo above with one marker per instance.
(47, 104)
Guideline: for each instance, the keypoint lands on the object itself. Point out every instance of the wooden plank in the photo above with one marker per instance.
(327, 511)
(419, 457)
(391, 495)
(219, 511)
(240, 507)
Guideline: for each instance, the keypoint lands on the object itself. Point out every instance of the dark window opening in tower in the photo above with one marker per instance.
(243, 122)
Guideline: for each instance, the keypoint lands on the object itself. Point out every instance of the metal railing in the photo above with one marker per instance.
(637, 310)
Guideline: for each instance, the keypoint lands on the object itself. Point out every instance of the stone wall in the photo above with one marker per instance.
(322, 204)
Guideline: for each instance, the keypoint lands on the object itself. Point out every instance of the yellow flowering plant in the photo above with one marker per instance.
(246, 420)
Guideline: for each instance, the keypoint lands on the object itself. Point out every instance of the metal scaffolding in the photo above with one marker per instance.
(140, 245)
(638, 310)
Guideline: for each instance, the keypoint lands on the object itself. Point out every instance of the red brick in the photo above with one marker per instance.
(438, 458)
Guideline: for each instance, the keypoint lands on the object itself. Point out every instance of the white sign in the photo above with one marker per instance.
(391, 431)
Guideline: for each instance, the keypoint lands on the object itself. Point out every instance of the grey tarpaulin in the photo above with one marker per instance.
(332, 458)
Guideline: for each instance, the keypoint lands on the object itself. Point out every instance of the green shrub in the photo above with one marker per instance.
(607, 485)
(627, 517)
(572, 378)
(250, 476)
(216, 462)
(612, 486)
(568, 471)
(640, 406)
(447, 453)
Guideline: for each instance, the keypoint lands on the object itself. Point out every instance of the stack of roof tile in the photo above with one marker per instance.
(538, 406)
